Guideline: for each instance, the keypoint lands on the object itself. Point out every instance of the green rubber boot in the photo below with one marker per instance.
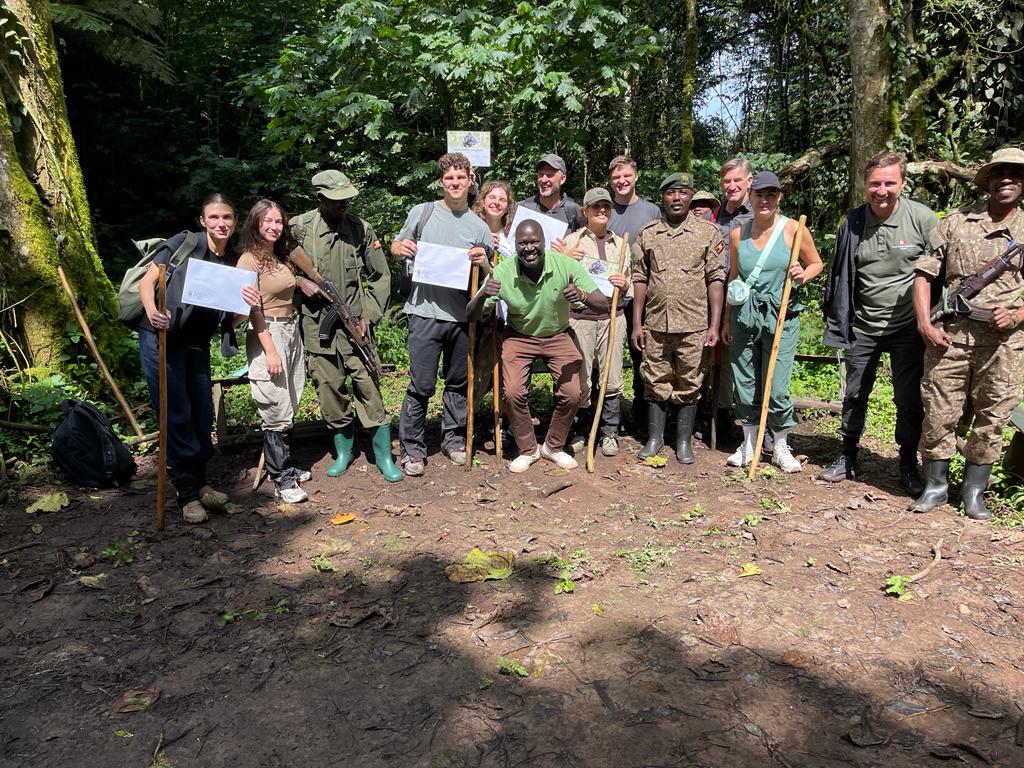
(343, 440)
(381, 439)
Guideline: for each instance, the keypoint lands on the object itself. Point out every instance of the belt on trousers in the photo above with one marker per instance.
(272, 319)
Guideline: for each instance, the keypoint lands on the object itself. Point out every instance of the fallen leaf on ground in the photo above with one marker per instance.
(749, 569)
(342, 518)
(136, 699)
(99, 581)
(656, 461)
(37, 529)
(481, 566)
(51, 502)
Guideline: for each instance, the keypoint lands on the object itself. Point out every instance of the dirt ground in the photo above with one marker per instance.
(663, 653)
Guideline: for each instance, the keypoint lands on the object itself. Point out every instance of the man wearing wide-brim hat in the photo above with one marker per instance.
(979, 357)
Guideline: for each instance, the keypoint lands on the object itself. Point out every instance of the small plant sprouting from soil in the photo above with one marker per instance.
(118, 553)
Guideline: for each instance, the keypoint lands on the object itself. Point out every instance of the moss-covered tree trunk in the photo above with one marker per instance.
(873, 119)
(688, 86)
(44, 213)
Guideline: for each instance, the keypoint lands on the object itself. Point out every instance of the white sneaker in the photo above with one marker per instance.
(745, 453)
(304, 475)
(741, 457)
(524, 461)
(784, 459)
(293, 495)
(561, 458)
(578, 445)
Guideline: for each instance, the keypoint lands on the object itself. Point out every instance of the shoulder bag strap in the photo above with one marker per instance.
(779, 229)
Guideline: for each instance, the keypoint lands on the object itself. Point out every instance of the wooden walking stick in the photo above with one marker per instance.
(496, 375)
(787, 286)
(96, 354)
(623, 246)
(474, 284)
(161, 467)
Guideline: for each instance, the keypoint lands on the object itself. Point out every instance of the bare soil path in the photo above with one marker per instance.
(663, 653)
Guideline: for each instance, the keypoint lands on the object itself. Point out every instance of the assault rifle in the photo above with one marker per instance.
(358, 334)
(958, 303)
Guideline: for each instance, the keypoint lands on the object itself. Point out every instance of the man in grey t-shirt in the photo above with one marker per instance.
(630, 214)
(438, 333)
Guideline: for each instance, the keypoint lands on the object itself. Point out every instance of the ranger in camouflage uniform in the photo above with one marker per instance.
(968, 358)
(677, 276)
(345, 250)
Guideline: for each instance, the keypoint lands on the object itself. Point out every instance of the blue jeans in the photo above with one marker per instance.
(189, 410)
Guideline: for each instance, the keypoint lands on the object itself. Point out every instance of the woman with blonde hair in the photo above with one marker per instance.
(759, 255)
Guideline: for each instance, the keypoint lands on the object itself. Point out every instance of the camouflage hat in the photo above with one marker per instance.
(676, 180)
(704, 196)
(1004, 156)
(596, 195)
(334, 185)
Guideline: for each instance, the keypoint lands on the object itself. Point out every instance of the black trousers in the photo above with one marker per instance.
(432, 344)
(906, 353)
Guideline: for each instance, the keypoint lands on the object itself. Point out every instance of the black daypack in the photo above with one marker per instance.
(85, 446)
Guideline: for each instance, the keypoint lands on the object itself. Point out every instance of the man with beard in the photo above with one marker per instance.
(538, 289)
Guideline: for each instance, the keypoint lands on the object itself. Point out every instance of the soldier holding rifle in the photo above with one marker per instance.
(345, 251)
(977, 352)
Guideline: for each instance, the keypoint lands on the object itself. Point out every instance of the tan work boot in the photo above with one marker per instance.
(215, 501)
(194, 512)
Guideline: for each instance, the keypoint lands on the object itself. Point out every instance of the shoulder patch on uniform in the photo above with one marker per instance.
(376, 245)
(720, 247)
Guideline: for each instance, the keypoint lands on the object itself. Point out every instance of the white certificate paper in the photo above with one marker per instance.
(216, 286)
(553, 228)
(441, 265)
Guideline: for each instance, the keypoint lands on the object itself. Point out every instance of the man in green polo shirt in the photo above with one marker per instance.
(869, 309)
(538, 289)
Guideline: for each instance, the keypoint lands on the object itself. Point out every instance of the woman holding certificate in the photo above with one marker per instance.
(273, 346)
(189, 330)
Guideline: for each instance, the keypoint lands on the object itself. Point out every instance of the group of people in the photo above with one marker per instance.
(697, 283)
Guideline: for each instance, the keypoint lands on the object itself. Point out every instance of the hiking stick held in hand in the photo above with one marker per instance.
(787, 286)
(161, 466)
(623, 246)
(474, 284)
(496, 375)
(96, 354)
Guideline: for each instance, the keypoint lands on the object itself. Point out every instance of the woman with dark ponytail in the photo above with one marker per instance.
(189, 331)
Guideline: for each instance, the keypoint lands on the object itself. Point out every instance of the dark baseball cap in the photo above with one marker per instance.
(334, 185)
(765, 180)
(554, 161)
(596, 195)
(676, 180)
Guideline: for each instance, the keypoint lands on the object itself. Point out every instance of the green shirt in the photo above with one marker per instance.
(886, 257)
(539, 309)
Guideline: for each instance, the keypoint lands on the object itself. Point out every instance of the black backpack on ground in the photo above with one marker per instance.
(85, 446)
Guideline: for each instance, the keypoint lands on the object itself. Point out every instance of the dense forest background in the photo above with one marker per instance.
(168, 100)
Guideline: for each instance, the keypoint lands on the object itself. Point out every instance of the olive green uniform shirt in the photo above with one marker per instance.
(678, 264)
(352, 259)
(888, 251)
(539, 309)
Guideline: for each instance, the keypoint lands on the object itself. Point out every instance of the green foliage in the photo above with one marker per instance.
(511, 667)
(322, 564)
(641, 559)
(118, 553)
(898, 586)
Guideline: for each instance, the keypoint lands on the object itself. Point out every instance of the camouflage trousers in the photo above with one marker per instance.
(674, 366)
(983, 364)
